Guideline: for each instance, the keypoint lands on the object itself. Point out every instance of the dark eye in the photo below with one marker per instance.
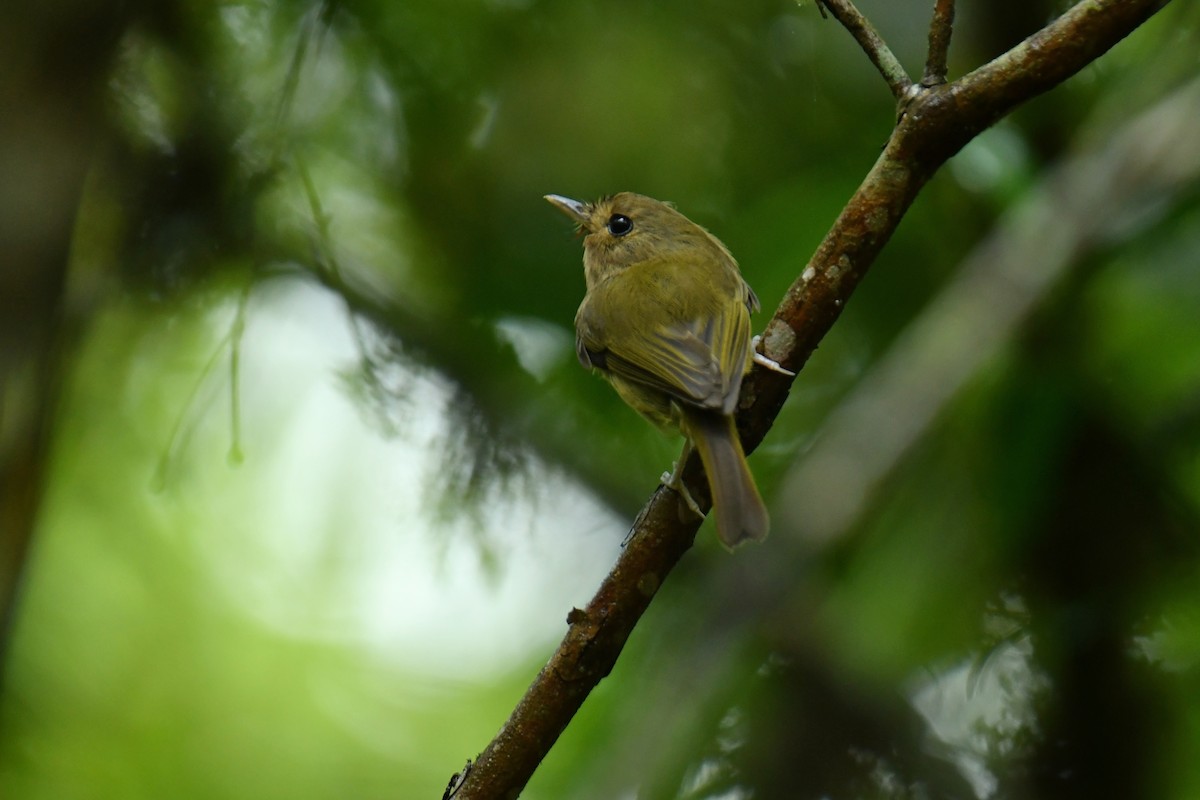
(619, 224)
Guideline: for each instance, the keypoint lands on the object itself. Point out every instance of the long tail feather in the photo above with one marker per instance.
(741, 515)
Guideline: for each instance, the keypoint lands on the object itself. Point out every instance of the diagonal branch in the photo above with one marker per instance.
(940, 28)
(1148, 161)
(937, 123)
(872, 44)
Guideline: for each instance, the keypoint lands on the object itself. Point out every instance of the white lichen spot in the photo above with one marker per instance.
(779, 339)
(834, 271)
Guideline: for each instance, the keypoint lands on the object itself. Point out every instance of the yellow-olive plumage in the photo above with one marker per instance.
(666, 319)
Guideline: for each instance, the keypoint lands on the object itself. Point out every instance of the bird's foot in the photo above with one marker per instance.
(674, 480)
(769, 363)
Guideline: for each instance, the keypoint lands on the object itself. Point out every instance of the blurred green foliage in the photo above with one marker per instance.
(297, 201)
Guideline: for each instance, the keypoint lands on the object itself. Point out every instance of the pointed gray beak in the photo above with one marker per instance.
(572, 208)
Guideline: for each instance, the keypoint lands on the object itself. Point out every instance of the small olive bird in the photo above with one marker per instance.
(666, 319)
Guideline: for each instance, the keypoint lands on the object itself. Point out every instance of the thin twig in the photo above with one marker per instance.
(233, 340)
(941, 26)
(938, 124)
(872, 43)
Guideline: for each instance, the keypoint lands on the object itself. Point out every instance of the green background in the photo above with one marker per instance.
(326, 477)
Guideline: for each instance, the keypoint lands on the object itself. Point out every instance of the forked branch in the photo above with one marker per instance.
(938, 120)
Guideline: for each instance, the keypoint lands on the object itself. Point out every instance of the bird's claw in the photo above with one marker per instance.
(769, 363)
(673, 480)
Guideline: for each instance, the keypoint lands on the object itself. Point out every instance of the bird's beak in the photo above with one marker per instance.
(572, 208)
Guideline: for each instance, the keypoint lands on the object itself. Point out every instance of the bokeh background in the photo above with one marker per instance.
(319, 477)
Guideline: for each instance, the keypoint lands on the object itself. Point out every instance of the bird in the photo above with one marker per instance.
(666, 320)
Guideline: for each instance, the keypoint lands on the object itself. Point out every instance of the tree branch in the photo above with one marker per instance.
(934, 126)
(1147, 162)
(940, 28)
(872, 44)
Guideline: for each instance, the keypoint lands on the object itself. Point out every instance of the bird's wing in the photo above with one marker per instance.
(697, 356)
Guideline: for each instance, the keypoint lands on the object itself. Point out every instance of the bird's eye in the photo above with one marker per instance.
(619, 224)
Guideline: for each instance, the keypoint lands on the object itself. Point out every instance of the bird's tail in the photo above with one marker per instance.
(740, 512)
